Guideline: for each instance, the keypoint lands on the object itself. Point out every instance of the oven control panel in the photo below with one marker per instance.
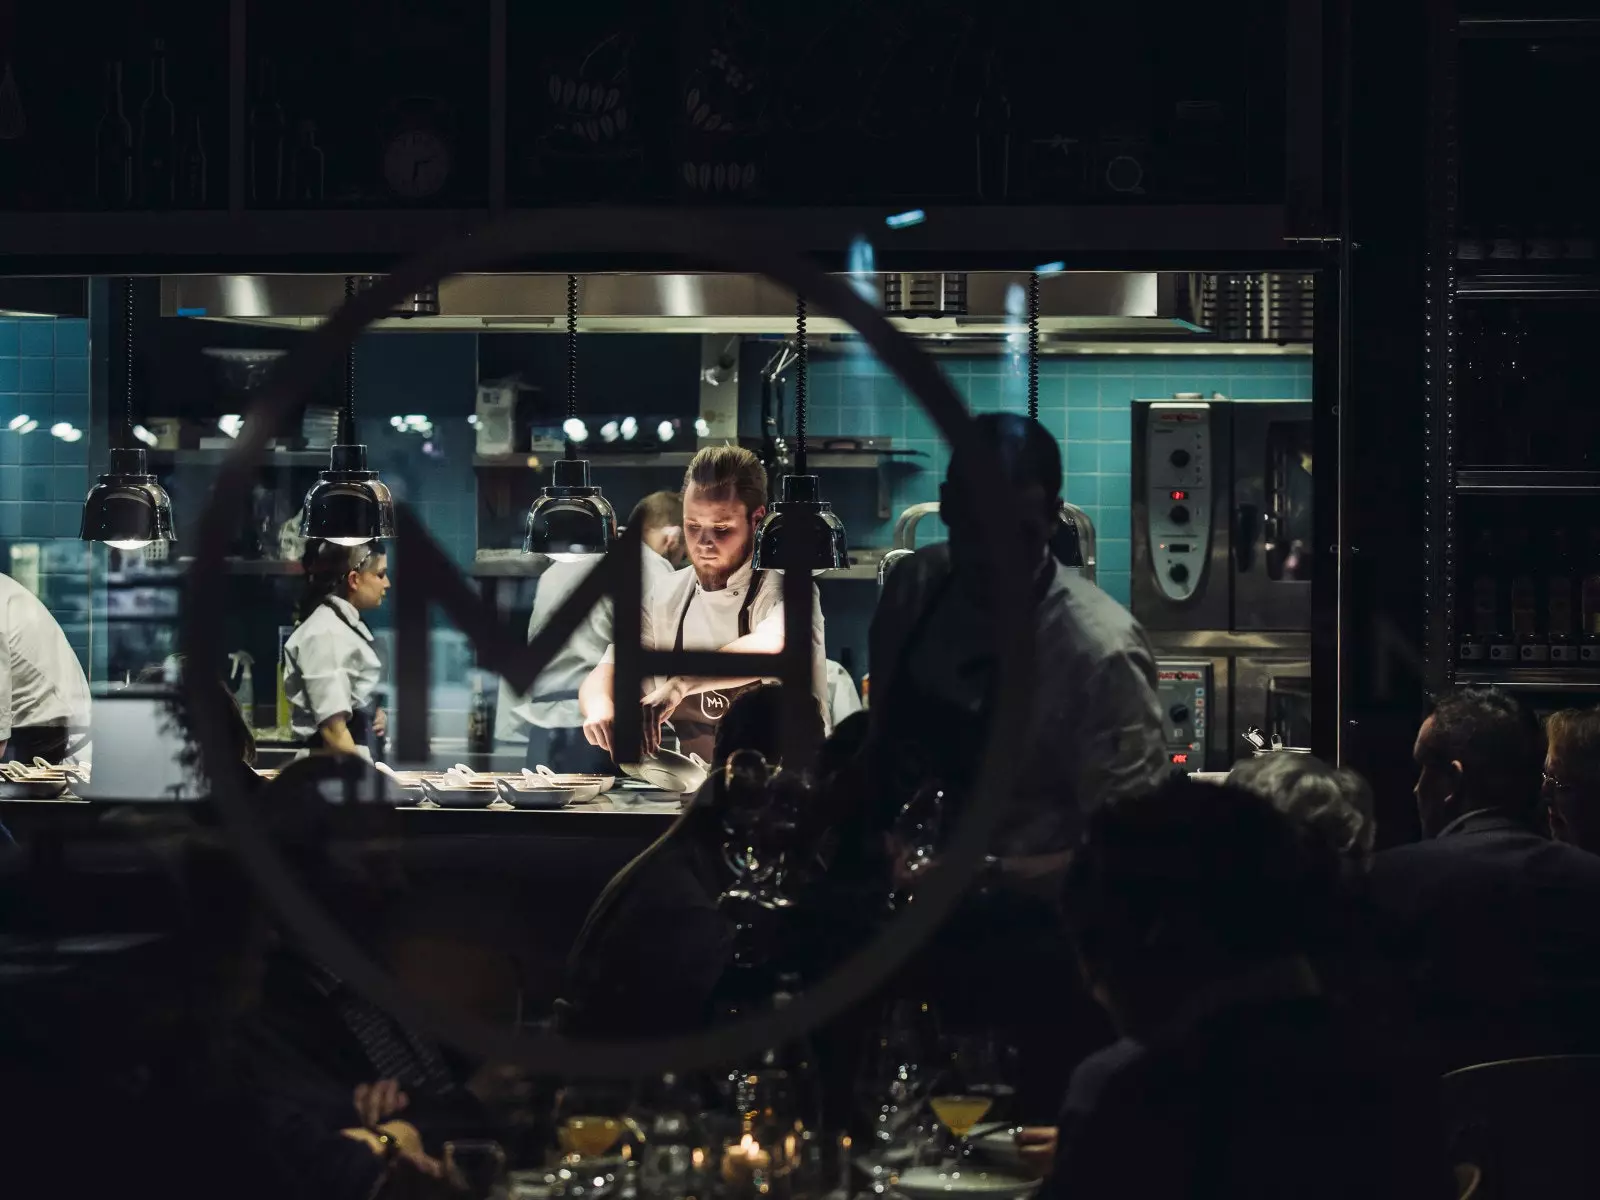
(1179, 478)
(1183, 689)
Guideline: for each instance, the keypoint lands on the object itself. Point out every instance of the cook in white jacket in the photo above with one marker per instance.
(720, 603)
(549, 711)
(331, 667)
(44, 697)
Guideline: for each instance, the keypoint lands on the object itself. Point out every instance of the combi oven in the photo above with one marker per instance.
(1221, 514)
(1221, 569)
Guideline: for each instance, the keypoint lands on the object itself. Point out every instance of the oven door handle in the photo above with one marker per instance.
(1245, 534)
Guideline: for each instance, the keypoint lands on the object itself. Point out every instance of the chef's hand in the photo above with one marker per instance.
(658, 705)
(380, 722)
(377, 1102)
(598, 724)
(1036, 1148)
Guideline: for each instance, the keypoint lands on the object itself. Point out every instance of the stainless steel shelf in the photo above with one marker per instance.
(1544, 28)
(1528, 283)
(1532, 679)
(1526, 481)
(215, 458)
(825, 460)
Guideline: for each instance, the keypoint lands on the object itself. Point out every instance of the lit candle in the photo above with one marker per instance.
(745, 1163)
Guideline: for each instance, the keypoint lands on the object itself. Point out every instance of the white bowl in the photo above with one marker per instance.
(936, 1183)
(670, 771)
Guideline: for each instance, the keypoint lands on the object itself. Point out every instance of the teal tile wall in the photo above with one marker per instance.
(1084, 401)
(44, 374)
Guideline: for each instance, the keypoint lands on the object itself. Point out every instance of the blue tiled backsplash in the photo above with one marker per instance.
(44, 376)
(1085, 402)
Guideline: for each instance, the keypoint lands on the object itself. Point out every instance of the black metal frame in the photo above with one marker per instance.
(1439, 355)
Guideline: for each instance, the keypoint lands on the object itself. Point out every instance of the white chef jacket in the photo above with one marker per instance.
(712, 619)
(330, 666)
(1095, 725)
(843, 699)
(41, 679)
(571, 665)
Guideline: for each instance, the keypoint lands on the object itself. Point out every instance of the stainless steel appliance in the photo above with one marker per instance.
(1221, 514)
(1186, 694)
(1247, 681)
(1221, 566)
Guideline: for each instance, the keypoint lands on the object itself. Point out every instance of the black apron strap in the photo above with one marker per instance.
(744, 609)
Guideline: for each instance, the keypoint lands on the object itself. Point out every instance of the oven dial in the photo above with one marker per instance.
(1179, 573)
(1179, 458)
(1179, 713)
(1179, 514)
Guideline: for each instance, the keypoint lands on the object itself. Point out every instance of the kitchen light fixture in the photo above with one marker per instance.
(127, 509)
(348, 505)
(571, 520)
(799, 514)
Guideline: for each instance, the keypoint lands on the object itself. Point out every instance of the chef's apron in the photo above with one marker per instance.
(53, 743)
(695, 721)
(362, 717)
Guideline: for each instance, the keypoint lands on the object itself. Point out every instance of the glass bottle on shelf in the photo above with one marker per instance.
(158, 137)
(1514, 423)
(306, 166)
(1482, 588)
(113, 146)
(1589, 602)
(193, 176)
(1558, 598)
(266, 139)
(1523, 590)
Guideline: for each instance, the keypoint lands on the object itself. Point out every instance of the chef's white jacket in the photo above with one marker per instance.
(712, 619)
(41, 679)
(330, 666)
(571, 665)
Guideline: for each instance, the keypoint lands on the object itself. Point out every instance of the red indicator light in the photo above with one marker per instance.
(1178, 494)
(1180, 760)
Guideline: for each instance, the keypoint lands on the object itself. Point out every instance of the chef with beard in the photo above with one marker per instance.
(720, 603)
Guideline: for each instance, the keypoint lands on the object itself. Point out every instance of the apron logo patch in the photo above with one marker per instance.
(713, 705)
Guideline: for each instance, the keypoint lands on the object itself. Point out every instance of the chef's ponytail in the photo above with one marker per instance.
(326, 564)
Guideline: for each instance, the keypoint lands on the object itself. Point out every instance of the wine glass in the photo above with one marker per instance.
(592, 1139)
(898, 1066)
(915, 838)
(967, 1090)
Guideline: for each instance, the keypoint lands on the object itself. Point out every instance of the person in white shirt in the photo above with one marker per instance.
(44, 697)
(550, 709)
(331, 667)
(721, 603)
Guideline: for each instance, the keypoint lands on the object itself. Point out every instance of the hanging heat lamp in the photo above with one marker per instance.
(571, 520)
(800, 514)
(348, 505)
(127, 509)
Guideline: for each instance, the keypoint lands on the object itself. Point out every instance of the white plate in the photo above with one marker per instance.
(998, 1145)
(935, 1183)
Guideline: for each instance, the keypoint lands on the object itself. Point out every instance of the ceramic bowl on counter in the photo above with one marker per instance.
(519, 793)
(670, 771)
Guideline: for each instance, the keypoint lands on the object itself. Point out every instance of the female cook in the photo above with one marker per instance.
(331, 667)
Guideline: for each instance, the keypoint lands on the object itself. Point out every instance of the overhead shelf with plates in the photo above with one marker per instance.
(1526, 481)
(1579, 680)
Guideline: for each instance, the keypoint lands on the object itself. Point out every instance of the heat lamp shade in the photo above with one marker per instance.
(348, 505)
(570, 519)
(127, 508)
(801, 516)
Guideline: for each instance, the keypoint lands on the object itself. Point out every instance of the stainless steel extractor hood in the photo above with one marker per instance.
(964, 305)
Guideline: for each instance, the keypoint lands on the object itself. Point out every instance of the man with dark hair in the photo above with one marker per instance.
(1572, 777)
(1093, 734)
(1094, 728)
(721, 603)
(1192, 909)
(1494, 921)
